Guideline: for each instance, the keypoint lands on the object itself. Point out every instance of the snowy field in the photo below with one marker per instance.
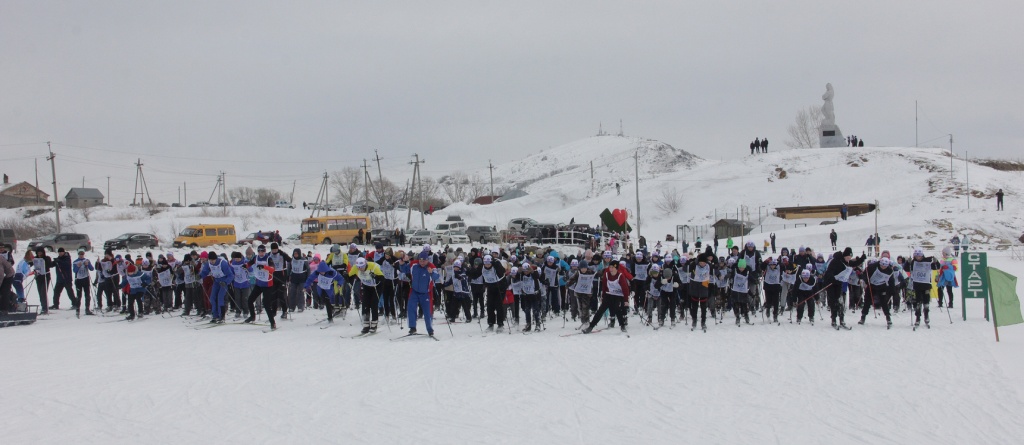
(160, 381)
(92, 380)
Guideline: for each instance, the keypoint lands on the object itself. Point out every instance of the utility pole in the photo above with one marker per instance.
(951, 157)
(490, 167)
(53, 170)
(184, 188)
(876, 216)
(291, 198)
(417, 183)
(636, 165)
(179, 195)
(36, 160)
(380, 189)
(108, 190)
(366, 188)
(411, 190)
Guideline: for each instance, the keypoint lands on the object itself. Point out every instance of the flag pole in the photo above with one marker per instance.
(995, 324)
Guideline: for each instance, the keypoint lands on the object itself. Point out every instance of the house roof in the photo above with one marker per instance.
(83, 193)
(5, 188)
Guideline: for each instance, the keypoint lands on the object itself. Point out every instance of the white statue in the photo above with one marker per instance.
(827, 110)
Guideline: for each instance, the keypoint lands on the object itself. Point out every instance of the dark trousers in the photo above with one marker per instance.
(835, 306)
(949, 292)
(179, 295)
(615, 305)
(922, 293)
(191, 299)
(531, 306)
(132, 300)
(61, 286)
(8, 299)
(273, 299)
(257, 292)
(879, 296)
(478, 298)
(495, 305)
(371, 304)
(772, 293)
(108, 287)
(82, 285)
(703, 303)
(456, 302)
(801, 303)
(387, 292)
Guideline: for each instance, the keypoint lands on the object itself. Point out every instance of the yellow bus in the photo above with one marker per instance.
(334, 229)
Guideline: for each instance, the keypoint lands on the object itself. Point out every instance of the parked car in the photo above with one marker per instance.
(132, 241)
(203, 235)
(522, 223)
(536, 233)
(283, 204)
(440, 229)
(7, 239)
(384, 236)
(453, 237)
(200, 204)
(266, 238)
(421, 237)
(483, 234)
(293, 239)
(69, 241)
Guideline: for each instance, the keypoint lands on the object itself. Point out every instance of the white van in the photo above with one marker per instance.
(440, 229)
(282, 204)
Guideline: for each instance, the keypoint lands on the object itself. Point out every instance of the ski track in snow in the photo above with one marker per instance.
(80, 381)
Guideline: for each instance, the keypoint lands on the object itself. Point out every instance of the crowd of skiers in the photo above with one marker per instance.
(501, 287)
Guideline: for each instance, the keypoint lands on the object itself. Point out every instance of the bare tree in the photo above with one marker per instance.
(347, 184)
(455, 186)
(266, 197)
(805, 130)
(236, 194)
(670, 201)
(431, 190)
(478, 187)
(388, 193)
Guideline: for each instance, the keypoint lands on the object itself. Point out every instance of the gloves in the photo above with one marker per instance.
(675, 285)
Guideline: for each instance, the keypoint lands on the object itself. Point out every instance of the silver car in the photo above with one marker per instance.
(453, 237)
(421, 237)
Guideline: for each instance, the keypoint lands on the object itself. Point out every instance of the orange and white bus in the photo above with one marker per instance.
(334, 229)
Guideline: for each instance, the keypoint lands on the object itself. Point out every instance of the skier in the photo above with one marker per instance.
(222, 275)
(700, 273)
(803, 292)
(838, 271)
(107, 275)
(772, 288)
(339, 296)
(388, 286)
(920, 269)
(423, 276)
(552, 295)
(296, 279)
(581, 284)
(241, 288)
(462, 297)
(881, 281)
(135, 284)
(370, 277)
(528, 282)
(81, 268)
(193, 290)
(668, 286)
(947, 275)
(325, 278)
(64, 280)
(833, 237)
(165, 280)
(615, 287)
(278, 288)
(639, 268)
(741, 272)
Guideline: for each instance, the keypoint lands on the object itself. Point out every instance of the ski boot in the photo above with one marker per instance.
(862, 317)
(490, 328)
(888, 323)
(500, 330)
(527, 328)
(412, 331)
(623, 328)
(586, 330)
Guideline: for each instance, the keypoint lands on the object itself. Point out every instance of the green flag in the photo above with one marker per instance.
(1005, 304)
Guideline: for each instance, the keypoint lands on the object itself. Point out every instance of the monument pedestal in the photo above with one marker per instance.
(831, 137)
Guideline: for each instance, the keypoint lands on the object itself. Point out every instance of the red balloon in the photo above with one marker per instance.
(619, 215)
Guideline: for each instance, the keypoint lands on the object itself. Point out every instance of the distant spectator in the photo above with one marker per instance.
(764, 145)
(999, 200)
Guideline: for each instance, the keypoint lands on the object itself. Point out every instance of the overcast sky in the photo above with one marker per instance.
(272, 92)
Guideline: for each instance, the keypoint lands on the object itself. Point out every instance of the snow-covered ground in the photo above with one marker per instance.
(160, 381)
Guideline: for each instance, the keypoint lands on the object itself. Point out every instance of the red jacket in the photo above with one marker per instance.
(620, 278)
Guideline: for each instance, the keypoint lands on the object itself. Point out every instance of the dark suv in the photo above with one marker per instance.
(7, 239)
(132, 241)
(69, 241)
(483, 234)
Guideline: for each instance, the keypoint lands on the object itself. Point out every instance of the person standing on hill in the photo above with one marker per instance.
(764, 145)
(772, 237)
(833, 237)
(999, 200)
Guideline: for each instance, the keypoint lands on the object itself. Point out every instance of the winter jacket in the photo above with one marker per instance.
(220, 272)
